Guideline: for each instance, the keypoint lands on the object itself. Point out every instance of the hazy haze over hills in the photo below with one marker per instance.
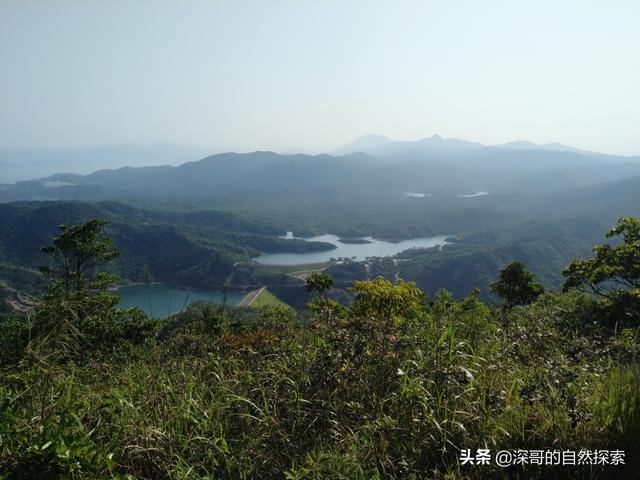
(319, 239)
(381, 145)
(28, 164)
(434, 165)
(362, 144)
(21, 164)
(491, 130)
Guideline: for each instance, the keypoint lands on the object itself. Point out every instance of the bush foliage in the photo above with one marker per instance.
(391, 385)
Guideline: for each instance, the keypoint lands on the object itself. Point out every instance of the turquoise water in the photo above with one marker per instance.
(161, 300)
(357, 251)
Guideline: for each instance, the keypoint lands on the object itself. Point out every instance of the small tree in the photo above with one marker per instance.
(77, 309)
(516, 286)
(321, 307)
(319, 282)
(381, 299)
(77, 254)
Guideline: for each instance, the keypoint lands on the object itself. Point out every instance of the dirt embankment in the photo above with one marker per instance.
(250, 297)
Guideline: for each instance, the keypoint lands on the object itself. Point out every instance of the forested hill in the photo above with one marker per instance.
(197, 248)
(177, 242)
(201, 223)
(434, 172)
(395, 383)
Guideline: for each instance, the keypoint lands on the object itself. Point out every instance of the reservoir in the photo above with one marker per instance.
(356, 251)
(471, 195)
(161, 300)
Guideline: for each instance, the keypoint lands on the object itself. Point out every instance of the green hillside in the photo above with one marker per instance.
(211, 242)
(394, 384)
(267, 299)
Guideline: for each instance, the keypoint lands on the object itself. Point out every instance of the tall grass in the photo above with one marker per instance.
(261, 395)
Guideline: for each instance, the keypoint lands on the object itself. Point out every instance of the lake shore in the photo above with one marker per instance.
(359, 251)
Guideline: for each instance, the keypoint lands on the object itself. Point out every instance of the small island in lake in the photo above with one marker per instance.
(354, 240)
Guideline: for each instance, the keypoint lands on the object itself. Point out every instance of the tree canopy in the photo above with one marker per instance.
(613, 273)
(610, 268)
(516, 286)
(77, 253)
(319, 282)
(78, 310)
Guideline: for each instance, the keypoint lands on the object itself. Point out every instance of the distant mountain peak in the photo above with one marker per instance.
(362, 144)
(374, 136)
(527, 145)
(380, 145)
(436, 143)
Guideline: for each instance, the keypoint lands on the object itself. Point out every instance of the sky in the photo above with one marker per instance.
(312, 75)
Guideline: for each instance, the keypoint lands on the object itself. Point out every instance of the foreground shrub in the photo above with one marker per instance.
(390, 386)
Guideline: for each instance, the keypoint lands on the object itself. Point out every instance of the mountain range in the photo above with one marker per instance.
(381, 145)
(19, 164)
(431, 166)
(201, 222)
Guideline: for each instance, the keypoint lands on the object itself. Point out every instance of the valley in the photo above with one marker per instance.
(319, 240)
(227, 221)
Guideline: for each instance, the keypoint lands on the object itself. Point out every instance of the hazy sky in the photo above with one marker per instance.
(316, 74)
